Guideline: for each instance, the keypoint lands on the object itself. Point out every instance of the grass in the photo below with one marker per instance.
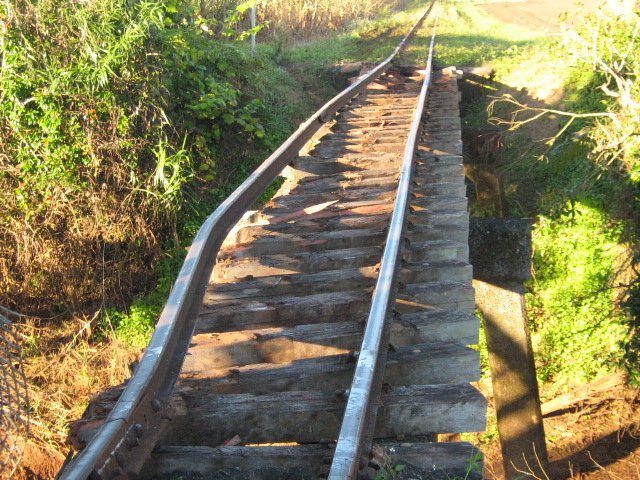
(297, 18)
(368, 41)
(467, 35)
(86, 354)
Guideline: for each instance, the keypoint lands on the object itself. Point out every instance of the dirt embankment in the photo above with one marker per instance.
(541, 15)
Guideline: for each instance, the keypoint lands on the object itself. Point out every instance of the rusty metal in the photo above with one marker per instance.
(356, 433)
(139, 412)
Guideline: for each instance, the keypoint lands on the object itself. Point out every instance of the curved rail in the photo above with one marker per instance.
(356, 432)
(129, 433)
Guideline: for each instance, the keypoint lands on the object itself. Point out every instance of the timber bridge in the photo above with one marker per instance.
(326, 334)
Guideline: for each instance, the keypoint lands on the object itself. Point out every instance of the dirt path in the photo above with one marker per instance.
(540, 15)
(596, 440)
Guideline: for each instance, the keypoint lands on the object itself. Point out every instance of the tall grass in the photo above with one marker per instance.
(76, 153)
(307, 18)
(296, 19)
(111, 112)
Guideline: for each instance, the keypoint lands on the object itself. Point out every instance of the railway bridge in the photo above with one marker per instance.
(326, 333)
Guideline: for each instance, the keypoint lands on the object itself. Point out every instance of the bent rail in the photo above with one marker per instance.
(360, 414)
(129, 433)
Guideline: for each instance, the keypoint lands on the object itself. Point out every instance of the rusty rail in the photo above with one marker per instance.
(356, 432)
(122, 444)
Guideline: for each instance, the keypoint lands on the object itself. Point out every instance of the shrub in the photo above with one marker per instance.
(578, 327)
(110, 112)
(607, 46)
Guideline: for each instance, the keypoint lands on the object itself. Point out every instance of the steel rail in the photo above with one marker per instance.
(356, 433)
(124, 441)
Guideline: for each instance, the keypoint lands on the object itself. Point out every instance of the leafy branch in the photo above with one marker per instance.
(538, 113)
(607, 47)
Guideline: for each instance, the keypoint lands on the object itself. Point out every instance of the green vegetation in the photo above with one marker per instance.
(124, 123)
(575, 173)
(586, 245)
(467, 35)
(572, 304)
(119, 121)
(127, 122)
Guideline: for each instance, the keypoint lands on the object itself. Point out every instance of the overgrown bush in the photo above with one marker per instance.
(79, 152)
(111, 112)
(578, 326)
(607, 45)
(585, 294)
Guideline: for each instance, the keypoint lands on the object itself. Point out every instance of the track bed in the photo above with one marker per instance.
(274, 349)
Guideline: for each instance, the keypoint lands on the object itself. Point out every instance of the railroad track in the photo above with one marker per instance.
(331, 339)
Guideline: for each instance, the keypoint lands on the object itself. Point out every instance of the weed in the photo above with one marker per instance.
(390, 474)
(572, 305)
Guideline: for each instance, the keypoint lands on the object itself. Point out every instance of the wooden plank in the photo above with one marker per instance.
(272, 345)
(424, 168)
(246, 263)
(335, 280)
(443, 188)
(238, 462)
(582, 394)
(268, 243)
(239, 266)
(448, 148)
(224, 350)
(380, 122)
(382, 110)
(424, 153)
(448, 218)
(415, 364)
(439, 178)
(427, 296)
(436, 251)
(338, 149)
(346, 233)
(438, 202)
(372, 161)
(302, 199)
(427, 409)
(325, 281)
(446, 460)
(284, 311)
(372, 177)
(365, 138)
(312, 416)
(437, 271)
(449, 460)
(457, 233)
(336, 206)
(436, 325)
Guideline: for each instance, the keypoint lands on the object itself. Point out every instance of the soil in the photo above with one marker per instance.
(596, 440)
(541, 15)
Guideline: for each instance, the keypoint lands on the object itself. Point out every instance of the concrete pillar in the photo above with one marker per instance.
(500, 252)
